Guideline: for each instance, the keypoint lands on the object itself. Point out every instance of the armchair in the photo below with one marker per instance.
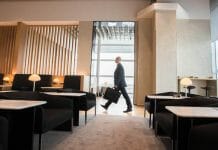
(1, 78)
(73, 84)
(164, 122)
(56, 114)
(21, 82)
(3, 133)
(203, 137)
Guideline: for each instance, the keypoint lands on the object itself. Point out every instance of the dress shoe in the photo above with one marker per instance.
(128, 110)
(104, 107)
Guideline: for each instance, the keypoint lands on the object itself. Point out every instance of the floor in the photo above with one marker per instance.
(117, 109)
(97, 127)
(114, 109)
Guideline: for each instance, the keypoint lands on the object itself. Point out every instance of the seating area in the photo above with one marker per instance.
(59, 59)
(181, 130)
(56, 114)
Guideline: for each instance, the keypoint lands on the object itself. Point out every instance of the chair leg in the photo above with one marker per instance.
(144, 113)
(40, 141)
(149, 120)
(156, 129)
(173, 144)
(85, 117)
(95, 110)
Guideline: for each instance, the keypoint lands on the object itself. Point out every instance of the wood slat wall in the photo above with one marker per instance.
(7, 46)
(51, 49)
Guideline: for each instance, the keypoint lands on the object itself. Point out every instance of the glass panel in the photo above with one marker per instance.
(106, 81)
(94, 68)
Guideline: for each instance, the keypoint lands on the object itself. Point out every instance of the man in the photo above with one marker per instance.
(120, 84)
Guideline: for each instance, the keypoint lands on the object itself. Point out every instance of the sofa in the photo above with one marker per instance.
(57, 113)
(21, 82)
(164, 120)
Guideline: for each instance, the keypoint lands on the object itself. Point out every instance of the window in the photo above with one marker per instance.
(112, 39)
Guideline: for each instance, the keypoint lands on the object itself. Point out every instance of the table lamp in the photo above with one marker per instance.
(6, 79)
(186, 82)
(34, 78)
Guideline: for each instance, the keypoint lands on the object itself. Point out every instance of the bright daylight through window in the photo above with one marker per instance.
(112, 39)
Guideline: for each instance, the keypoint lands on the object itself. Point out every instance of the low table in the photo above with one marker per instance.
(75, 97)
(185, 113)
(21, 118)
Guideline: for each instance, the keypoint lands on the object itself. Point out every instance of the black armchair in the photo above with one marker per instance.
(203, 137)
(57, 113)
(3, 133)
(21, 82)
(72, 83)
(164, 122)
(87, 102)
(149, 104)
(1, 78)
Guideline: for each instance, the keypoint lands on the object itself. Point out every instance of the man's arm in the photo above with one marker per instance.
(118, 76)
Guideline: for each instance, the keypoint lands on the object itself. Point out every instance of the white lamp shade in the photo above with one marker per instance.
(34, 77)
(186, 82)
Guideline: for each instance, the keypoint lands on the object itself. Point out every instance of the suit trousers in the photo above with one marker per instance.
(125, 95)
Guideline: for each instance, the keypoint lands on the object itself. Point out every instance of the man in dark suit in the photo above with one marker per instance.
(120, 84)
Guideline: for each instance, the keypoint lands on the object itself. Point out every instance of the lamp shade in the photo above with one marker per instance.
(186, 82)
(34, 77)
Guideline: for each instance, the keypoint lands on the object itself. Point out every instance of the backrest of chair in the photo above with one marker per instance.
(22, 83)
(72, 82)
(1, 78)
(46, 81)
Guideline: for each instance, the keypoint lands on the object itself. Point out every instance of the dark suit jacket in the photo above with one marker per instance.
(119, 76)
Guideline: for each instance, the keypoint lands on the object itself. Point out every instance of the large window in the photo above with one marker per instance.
(112, 39)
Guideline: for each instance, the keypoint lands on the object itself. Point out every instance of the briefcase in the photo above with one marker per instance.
(112, 94)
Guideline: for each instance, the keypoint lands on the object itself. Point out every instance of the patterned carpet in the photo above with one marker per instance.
(105, 132)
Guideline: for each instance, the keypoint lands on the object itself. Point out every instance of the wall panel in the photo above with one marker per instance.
(7, 47)
(51, 49)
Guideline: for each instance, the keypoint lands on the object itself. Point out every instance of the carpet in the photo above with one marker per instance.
(105, 132)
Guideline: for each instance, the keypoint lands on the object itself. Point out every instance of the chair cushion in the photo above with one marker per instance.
(53, 116)
(86, 104)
